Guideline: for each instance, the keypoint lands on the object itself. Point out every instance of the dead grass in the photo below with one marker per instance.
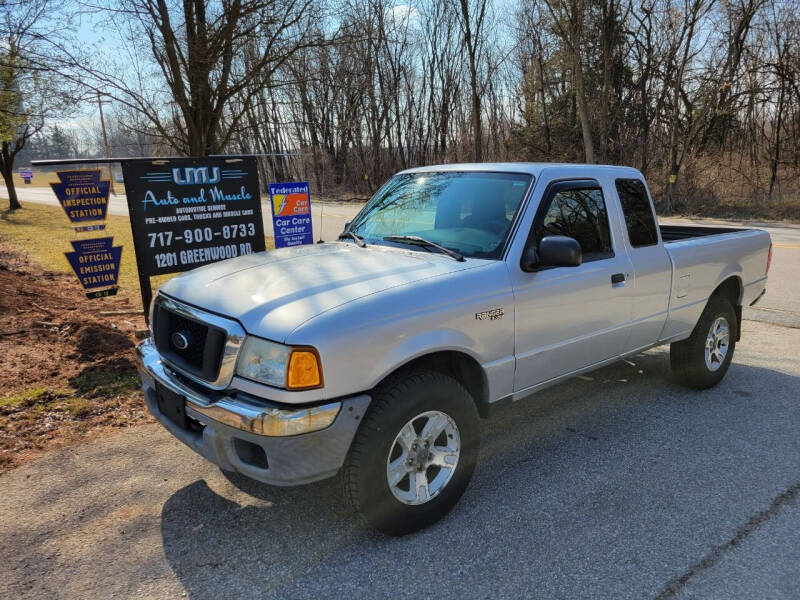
(67, 372)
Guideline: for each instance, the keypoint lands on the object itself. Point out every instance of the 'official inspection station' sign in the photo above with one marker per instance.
(188, 212)
(83, 195)
(291, 213)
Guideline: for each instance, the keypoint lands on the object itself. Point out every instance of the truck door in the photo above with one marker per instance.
(652, 268)
(568, 318)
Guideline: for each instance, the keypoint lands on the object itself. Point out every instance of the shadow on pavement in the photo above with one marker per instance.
(608, 485)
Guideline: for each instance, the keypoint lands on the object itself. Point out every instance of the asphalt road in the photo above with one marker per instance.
(617, 485)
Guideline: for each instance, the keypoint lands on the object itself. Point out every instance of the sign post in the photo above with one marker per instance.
(291, 213)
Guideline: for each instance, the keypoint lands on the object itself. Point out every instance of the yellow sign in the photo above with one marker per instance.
(673, 178)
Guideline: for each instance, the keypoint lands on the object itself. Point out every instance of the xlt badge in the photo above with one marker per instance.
(490, 315)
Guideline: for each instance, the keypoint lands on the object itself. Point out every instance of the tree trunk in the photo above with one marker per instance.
(583, 110)
(545, 120)
(776, 152)
(7, 170)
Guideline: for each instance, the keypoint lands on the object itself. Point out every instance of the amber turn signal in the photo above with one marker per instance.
(304, 370)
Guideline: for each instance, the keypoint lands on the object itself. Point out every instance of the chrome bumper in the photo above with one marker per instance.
(265, 441)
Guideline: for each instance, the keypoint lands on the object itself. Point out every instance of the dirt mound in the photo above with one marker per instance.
(65, 370)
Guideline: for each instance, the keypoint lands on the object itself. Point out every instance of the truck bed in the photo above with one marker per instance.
(675, 233)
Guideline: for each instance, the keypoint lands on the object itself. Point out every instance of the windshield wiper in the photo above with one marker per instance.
(353, 236)
(421, 241)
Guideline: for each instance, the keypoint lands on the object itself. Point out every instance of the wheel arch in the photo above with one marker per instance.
(732, 290)
(461, 366)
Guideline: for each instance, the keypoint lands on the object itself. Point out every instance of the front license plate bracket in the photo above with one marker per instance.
(172, 406)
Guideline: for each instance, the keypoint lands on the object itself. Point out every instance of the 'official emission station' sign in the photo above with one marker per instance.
(96, 263)
(188, 212)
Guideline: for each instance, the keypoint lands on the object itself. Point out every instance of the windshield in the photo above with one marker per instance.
(470, 213)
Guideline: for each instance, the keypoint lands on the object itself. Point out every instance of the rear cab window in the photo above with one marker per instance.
(638, 213)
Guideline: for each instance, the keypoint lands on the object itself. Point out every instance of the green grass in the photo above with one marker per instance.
(26, 397)
(105, 383)
(37, 401)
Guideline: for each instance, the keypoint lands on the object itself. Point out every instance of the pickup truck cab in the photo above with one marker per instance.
(456, 289)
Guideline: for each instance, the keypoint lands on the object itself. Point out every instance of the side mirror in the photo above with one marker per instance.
(347, 225)
(553, 251)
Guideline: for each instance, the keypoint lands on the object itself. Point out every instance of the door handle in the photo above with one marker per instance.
(617, 278)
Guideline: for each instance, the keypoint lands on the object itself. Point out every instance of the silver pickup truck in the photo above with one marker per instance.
(456, 289)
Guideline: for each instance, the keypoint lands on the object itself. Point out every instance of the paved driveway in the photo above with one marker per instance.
(617, 485)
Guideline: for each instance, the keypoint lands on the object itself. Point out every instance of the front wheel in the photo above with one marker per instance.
(414, 454)
(702, 360)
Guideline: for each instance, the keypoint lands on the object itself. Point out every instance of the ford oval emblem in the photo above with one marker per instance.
(180, 340)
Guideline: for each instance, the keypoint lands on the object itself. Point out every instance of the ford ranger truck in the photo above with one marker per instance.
(456, 289)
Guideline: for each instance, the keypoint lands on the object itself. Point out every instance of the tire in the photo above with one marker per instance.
(688, 358)
(427, 401)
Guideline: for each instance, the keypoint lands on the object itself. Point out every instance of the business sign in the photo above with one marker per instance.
(291, 213)
(188, 212)
(84, 196)
(26, 175)
(96, 263)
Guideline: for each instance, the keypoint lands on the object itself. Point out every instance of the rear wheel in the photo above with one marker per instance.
(414, 454)
(702, 360)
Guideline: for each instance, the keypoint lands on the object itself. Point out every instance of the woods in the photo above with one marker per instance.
(701, 95)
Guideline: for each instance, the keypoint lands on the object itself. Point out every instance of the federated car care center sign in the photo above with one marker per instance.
(291, 213)
(188, 212)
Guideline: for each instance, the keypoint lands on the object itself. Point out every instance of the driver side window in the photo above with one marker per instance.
(580, 213)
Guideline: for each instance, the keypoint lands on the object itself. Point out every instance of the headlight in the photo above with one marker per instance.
(279, 365)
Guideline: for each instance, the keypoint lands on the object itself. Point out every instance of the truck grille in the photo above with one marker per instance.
(192, 346)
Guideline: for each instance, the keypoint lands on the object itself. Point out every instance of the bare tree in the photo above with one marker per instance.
(29, 93)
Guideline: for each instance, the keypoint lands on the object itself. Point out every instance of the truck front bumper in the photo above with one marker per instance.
(229, 430)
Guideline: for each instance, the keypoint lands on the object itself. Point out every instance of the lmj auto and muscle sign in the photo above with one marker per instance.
(188, 212)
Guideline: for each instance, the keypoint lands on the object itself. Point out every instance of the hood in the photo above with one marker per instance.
(272, 293)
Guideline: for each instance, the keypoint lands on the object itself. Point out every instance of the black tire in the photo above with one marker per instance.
(395, 403)
(688, 357)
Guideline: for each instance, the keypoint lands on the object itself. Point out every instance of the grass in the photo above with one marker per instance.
(39, 400)
(44, 233)
(105, 383)
(26, 397)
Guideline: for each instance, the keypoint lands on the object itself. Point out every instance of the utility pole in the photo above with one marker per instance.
(100, 103)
